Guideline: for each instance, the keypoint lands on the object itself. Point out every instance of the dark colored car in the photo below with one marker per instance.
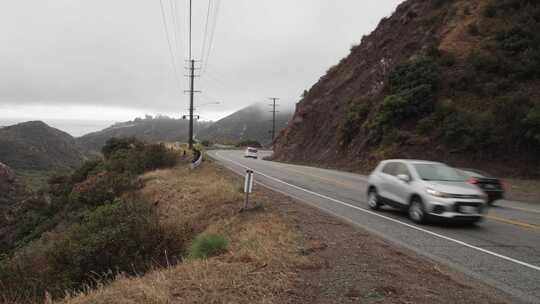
(492, 186)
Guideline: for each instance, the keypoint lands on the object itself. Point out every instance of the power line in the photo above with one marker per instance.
(177, 30)
(205, 37)
(190, 26)
(214, 24)
(171, 52)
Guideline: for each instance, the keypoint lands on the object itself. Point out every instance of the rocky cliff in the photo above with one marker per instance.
(455, 81)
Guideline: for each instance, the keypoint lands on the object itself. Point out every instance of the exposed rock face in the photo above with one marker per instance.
(479, 109)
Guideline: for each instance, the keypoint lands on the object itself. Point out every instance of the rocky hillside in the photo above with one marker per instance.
(450, 80)
(251, 123)
(149, 129)
(36, 146)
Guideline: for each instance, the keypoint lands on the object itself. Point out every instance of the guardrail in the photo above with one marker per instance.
(197, 162)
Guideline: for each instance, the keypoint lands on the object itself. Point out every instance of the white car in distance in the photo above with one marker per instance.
(251, 153)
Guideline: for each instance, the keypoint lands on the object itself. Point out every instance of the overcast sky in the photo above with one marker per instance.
(110, 60)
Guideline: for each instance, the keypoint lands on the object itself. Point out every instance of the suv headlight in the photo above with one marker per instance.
(436, 193)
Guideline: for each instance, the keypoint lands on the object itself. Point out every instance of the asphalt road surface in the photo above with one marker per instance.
(503, 250)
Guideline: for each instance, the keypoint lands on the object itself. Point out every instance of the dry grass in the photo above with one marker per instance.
(456, 39)
(259, 266)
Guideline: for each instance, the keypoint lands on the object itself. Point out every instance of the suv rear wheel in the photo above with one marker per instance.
(417, 211)
(373, 200)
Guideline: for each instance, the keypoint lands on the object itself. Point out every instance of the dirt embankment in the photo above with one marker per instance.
(281, 252)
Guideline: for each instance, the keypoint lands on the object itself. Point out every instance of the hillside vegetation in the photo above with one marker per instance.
(149, 129)
(86, 227)
(455, 81)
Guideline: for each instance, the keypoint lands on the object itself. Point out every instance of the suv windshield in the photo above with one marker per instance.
(438, 172)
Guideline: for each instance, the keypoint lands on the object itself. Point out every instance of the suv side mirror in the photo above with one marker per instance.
(404, 178)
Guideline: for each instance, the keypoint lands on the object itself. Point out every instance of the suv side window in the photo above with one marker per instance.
(389, 168)
(401, 168)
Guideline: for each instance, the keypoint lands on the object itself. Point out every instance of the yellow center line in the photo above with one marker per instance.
(512, 222)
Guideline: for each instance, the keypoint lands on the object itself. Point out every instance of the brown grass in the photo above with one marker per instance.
(259, 266)
(456, 38)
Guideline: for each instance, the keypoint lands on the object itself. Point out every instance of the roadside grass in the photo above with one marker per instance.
(207, 245)
(259, 265)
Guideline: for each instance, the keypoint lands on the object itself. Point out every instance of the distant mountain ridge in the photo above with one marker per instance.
(251, 123)
(34, 145)
(149, 129)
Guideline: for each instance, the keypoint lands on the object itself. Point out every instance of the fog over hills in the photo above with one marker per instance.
(251, 123)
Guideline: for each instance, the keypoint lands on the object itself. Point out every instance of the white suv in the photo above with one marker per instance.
(251, 153)
(427, 190)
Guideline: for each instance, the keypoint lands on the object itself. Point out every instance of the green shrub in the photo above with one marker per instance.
(157, 157)
(515, 40)
(423, 71)
(487, 62)
(356, 113)
(412, 86)
(137, 160)
(208, 245)
(121, 237)
(532, 123)
(114, 144)
(468, 131)
(102, 188)
(84, 171)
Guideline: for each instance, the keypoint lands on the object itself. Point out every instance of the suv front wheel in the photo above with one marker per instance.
(417, 212)
(373, 200)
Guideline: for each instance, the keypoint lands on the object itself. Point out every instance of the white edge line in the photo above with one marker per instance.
(387, 218)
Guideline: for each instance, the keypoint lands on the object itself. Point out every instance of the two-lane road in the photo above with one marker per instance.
(503, 251)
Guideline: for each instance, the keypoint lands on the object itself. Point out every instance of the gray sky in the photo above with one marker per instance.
(109, 59)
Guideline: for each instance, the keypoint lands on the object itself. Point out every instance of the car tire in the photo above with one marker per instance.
(417, 211)
(374, 201)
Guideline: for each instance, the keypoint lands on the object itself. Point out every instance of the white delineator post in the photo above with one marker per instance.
(248, 186)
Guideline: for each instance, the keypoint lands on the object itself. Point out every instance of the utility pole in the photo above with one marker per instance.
(191, 96)
(273, 105)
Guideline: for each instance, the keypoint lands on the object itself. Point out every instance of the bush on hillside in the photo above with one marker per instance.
(138, 160)
(413, 86)
(123, 237)
(114, 144)
(355, 114)
(102, 188)
(207, 245)
(532, 123)
(84, 171)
